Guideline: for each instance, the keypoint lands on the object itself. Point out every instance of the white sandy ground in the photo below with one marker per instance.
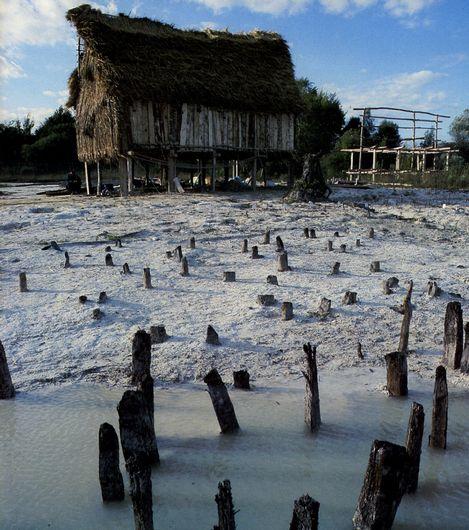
(50, 338)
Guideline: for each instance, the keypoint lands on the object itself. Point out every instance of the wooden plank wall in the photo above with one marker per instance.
(194, 127)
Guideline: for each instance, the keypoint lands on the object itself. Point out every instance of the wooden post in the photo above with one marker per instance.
(147, 278)
(87, 178)
(371, 233)
(453, 335)
(305, 514)
(279, 243)
(241, 380)
(98, 179)
(141, 356)
(437, 438)
(266, 238)
(125, 268)
(178, 253)
(23, 282)
(343, 248)
(266, 299)
(158, 334)
(272, 279)
(375, 266)
(336, 268)
(312, 410)
(383, 487)
(7, 390)
(184, 267)
(141, 493)
(287, 311)
(146, 387)
(465, 353)
(282, 262)
(312, 233)
(108, 260)
(244, 248)
(102, 299)
(329, 245)
(396, 366)
(212, 336)
(405, 327)
(350, 297)
(255, 253)
(192, 243)
(226, 512)
(221, 402)
(306, 232)
(67, 261)
(110, 477)
(414, 445)
(229, 276)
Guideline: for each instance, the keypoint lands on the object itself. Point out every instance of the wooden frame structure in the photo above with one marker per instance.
(418, 155)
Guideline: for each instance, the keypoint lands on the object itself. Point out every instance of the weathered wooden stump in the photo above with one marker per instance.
(108, 260)
(386, 289)
(414, 445)
(244, 248)
(359, 350)
(221, 402)
(329, 246)
(212, 336)
(465, 353)
(312, 410)
(67, 261)
(266, 238)
(178, 253)
(147, 278)
(324, 308)
(287, 311)
(433, 290)
(184, 267)
(336, 268)
(125, 268)
(358, 243)
(83, 299)
(141, 356)
(392, 282)
(279, 243)
(405, 326)
(305, 514)
(23, 282)
(54, 245)
(453, 335)
(146, 387)
(169, 254)
(312, 233)
(437, 438)
(371, 233)
(336, 234)
(396, 366)
(141, 493)
(108, 249)
(255, 253)
(110, 477)
(102, 297)
(229, 276)
(272, 279)
(118, 243)
(241, 380)
(136, 430)
(226, 512)
(266, 299)
(282, 262)
(350, 297)
(375, 266)
(306, 232)
(343, 248)
(158, 334)
(192, 243)
(7, 390)
(383, 487)
(97, 314)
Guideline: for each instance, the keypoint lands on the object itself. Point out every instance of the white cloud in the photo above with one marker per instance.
(60, 96)
(271, 7)
(405, 90)
(10, 69)
(400, 8)
(37, 114)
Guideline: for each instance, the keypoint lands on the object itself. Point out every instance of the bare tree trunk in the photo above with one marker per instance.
(226, 512)
(141, 356)
(414, 445)
(383, 487)
(312, 410)
(453, 337)
(110, 477)
(305, 514)
(7, 390)
(396, 364)
(221, 401)
(437, 436)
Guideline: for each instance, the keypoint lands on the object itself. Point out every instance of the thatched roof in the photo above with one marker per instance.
(142, 59)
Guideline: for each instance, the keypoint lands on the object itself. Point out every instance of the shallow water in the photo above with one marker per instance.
(48, 457)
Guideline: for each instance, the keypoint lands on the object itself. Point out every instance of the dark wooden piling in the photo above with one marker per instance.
(329, 246)
(350, 297)
(272, 279)
(108, 260)
(312, 233)
(383, 487)
(343, 248)
(371, 233)
(375, 266)
(146, 387)
(360, 351)
(287, 311)
(414, 445)
(7, 390)
(335, 268)
(158, 334)
(266, 238)
(147, 278)
(229, 276)
(312, 409)
(102, 299)
(125, 268)
(282, 262)
(23, 282)
(108, 249)
(178, 253)
(192, 243)
(226, 511)
(336, 234)
(437, 438)
(241, 380)
(358, 243)
(465, 353)
(305, 514)
(110, 477)
(244, 247)
(141, 493)
(453, 335)
(141, 356)
(324, 308)
(279, 243)
(396, 365)
(97, 314)
(118, 243)
(184, 267)
(407, 316)
(221, 402)
(67, 261)
(306, 232)
(255, 252)
(433, 290)
(212, 336)
(83, 299)
(266, 299)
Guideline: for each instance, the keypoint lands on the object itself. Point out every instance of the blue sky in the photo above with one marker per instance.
(406, 53)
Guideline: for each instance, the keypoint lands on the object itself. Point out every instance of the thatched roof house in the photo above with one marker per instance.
(142, 86)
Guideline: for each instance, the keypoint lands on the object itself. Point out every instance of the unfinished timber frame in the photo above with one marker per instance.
(149, 92)
(415, 121)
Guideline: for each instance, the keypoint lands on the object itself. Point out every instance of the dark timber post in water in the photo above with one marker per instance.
(147, 278)
(383, 487)
(437, 436)
(241, 380)
(141, 493)
(146, 387)
(405, 327)
(221, 401)
(141, 356)
(7, 390)
(305, 514)
(110, 477)
(23, 282)
(453, 337)
(396, 365)
(226, 512)
(312, 411)
(414, 445)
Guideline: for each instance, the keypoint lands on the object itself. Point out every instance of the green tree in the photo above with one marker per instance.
(13, 136)
(320, 123)
(459, 132)
(428, 138)
(387, 135)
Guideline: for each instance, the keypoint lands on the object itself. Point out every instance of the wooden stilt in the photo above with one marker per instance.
(305, 514)
(312, 410)
(110, 477)
(437, 438)
(405, 327)
(87, 178)
(414, 445)
(141, 494)
(226, 512)
(23, 282)
(98, 179)
(241, 380)
(147, 278)
(453, 335)
(221, 401)
(141, 356)
(396, 364)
